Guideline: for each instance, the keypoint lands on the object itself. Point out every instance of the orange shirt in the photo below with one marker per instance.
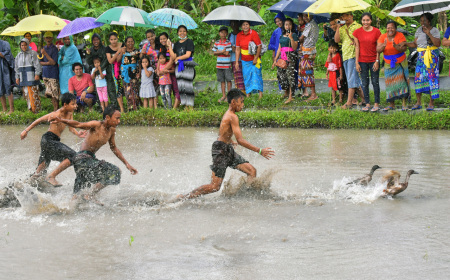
(390, 50)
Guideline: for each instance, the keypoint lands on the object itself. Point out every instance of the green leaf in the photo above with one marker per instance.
(131, 240)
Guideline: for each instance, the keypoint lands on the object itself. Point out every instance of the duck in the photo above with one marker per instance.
(366, 178)
(393, 186)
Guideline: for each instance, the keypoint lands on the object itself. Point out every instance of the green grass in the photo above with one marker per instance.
(268, 112)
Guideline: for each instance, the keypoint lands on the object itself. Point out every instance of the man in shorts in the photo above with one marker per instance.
(50, 71)
(51, 146)
(222, 49)
(345, 35)
(88, 168)
(222, 150)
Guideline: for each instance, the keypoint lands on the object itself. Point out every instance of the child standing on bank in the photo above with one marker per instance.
(334, 72)
(222, 49)
(147, 92)
(165, 82)
(98, 75)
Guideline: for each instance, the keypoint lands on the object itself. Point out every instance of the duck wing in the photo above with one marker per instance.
(361, 181)
(391, 177)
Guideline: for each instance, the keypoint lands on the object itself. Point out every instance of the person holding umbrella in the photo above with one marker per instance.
(427, 41)
(50, 71)
(28, 69)
(251, 64)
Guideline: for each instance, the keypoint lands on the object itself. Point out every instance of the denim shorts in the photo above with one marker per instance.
(353, 79)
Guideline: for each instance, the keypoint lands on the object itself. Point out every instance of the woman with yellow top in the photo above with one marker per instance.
(251, 64)
(427, 41)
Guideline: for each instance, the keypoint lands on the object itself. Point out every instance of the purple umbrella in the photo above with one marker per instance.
(79, 25)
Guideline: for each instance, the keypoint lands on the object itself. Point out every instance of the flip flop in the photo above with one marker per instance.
(405, 108)
(375, 109)
(366, 109)
(388, 108)
(416, 107)
(430, 108)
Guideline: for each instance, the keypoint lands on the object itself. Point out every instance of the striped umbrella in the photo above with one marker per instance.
(124, 15)
(79, 25)
(171, 18)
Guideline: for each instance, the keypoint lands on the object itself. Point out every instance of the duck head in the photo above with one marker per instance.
(375, 167)
(412, 172)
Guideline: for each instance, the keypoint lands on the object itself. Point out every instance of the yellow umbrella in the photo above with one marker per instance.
(35, 24)
(10, 31)
(334, 6)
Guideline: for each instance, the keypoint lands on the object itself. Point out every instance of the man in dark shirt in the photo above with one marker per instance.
(50, 71)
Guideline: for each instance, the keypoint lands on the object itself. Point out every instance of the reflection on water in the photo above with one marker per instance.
(302, 221)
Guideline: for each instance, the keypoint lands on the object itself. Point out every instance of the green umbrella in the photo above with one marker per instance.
(128, 16)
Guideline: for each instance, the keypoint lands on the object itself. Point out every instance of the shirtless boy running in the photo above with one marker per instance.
(51, 146)
(87, 167)
(223, 153)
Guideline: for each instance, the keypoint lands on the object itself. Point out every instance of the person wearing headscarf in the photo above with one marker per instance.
(99, 50)
(67, 56)
(7, 75)
(28, 69)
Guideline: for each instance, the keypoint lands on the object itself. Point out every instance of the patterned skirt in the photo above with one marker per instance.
(286, 77)
(427, 79)
(32, 96)
(396, 84)
(132, 94)
(252, 77)
(238, 77)
(306, 71)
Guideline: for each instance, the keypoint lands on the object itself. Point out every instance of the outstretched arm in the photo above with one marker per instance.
(266, 152)
(72, 123)
(45, 118)
(118, 153)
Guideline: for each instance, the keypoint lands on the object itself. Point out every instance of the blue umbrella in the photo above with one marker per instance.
(79, 25)
(293, 7)
(171, 18)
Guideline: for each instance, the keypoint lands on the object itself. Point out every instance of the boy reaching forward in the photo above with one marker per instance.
(88, 168)
(222, 150)
(51, 146)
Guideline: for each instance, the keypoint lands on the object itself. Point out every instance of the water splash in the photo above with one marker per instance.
(258, 188)
(353, 193)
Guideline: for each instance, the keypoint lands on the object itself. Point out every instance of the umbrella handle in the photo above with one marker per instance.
(41, 45)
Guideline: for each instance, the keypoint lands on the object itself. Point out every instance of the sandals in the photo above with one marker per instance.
(375, 109)
(416, 107)
(405, 109)
(430, 108)
(366, 109)
(388, 108)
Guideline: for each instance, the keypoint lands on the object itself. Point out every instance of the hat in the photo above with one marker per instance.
(223, 28)
(48, 34)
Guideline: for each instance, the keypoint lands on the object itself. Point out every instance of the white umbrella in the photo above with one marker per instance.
(224, 15)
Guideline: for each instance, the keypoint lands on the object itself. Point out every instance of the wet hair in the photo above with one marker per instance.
(109, 111)
(75, 65)
(181, 26)
(113, 34)
(96, 58)
(67, 97)
(292, 23)
(333, 44)
(26, 34)
(391, 22)
(428, 16)
(366, 14)
(235, 94)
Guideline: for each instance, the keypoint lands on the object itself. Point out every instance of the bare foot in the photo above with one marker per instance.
(288, 101)
(52, 181)
(91, 198)
(10, 112)
(313, 97)
(260, 96)
(221, 99)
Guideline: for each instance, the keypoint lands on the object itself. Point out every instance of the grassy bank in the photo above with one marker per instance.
(269, 112)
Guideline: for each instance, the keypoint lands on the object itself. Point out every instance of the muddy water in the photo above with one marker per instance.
(303, 222)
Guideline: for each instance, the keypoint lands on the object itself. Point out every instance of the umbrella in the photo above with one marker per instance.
(79, 25)
(333, 6)
(36, 24)
(123, 15)
(412, 8)
(171, 18)
(225, 14)
(10, 31)
(293, 7)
